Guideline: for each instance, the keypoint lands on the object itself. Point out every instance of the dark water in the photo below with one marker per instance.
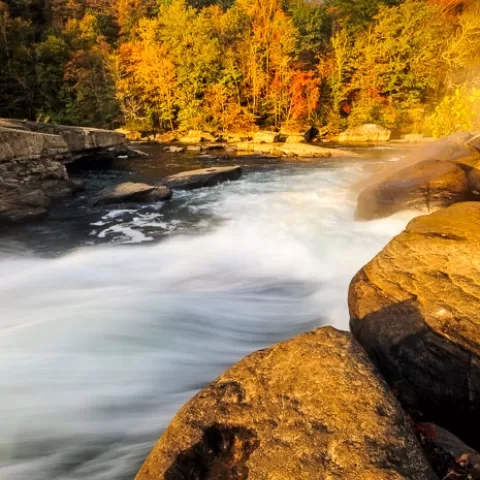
(101, 342)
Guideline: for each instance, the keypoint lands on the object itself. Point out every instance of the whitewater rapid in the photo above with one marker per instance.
(100, 347)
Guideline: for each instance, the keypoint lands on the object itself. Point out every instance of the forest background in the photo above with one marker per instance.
(240, 65)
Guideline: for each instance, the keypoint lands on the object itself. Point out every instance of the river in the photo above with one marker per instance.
(110, 319)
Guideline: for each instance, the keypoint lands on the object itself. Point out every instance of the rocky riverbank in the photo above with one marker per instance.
(398, 397)
(34, 159)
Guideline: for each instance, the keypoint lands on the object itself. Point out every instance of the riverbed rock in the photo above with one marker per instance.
(449, 456)
(424, 186)
(266, 137)
(415, 308)
(203, 177)
(196, 137)
(299, 150)
(130, 192)
(295, 139)
(310, 407)
(368, 133)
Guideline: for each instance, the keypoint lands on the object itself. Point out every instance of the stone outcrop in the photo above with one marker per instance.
(301, 150)
(130, 192)
(32, 163)
(310, 407)
(79, 141)
(295, 139)
(415, 308)
(424, 186)
(18, 145)
(204, 177)
(368, 133)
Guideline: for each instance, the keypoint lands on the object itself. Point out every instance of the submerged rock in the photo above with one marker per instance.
(368, 133)
(309, 407)
(415, 308)
(204, 177)
(130, 192)
(424, 186)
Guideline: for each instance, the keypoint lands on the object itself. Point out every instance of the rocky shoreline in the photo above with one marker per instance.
(396, 398)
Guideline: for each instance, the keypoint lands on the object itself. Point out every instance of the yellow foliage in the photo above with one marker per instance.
(459, 111)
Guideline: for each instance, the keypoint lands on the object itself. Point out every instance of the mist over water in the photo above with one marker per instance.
(101, 346)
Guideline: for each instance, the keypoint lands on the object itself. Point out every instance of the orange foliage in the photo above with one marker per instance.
(305, 93)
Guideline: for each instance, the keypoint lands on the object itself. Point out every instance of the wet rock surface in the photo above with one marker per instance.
(130, 192)
(204, 177)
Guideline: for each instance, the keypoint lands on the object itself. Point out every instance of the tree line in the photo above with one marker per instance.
(231, 65)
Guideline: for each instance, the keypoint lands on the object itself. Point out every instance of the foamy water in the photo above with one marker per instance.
(100, 347)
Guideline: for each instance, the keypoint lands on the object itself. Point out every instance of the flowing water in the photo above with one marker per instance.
(101, 342)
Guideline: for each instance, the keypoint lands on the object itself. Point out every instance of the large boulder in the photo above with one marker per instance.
(203, 177)
(310, 407)
(458, 148)
(130, 192)
(424, 186)
(415, 308)
(368, 133)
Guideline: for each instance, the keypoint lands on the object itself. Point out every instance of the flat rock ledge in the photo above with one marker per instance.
(204, 177)
(32, 163)
(300, 150)
(130, 192)
(310, 407)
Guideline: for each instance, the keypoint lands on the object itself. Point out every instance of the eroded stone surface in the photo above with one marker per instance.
(310, 407)
(416, 310)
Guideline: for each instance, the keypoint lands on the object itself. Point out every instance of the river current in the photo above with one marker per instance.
(111, 319)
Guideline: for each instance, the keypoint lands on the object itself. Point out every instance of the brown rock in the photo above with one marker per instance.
(266, 137)
(311, 407)
(416, 310)
(203, 177)
(129, 192)
(424, 186)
